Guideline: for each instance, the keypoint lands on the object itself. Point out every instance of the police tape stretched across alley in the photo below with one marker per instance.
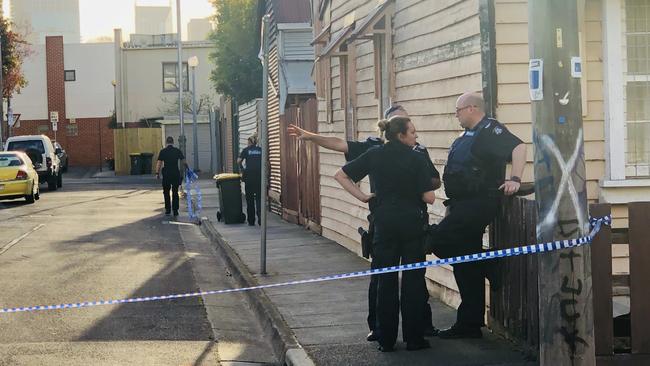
(596, 224)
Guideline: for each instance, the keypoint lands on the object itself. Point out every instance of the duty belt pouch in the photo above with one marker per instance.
(367, 238)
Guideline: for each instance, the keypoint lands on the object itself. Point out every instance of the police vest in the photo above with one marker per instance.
(464, 174)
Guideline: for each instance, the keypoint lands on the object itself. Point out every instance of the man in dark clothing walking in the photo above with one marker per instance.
(252, 155)
(168, 159)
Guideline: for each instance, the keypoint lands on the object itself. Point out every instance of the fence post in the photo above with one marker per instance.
(639, 234)
(601, 264)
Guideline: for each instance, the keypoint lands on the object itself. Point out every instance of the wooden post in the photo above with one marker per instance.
(601, 258)
(639, 216)
(565, 289)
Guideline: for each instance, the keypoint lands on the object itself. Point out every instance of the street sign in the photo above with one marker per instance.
(55, 126)
(54, 117)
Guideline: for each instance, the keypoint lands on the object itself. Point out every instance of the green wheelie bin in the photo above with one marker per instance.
(230, 198)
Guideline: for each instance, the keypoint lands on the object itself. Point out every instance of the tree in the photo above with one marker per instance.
(14, 51)
(170, 106)
(238, 71)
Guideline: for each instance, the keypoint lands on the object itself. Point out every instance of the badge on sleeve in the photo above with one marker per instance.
(497, 130)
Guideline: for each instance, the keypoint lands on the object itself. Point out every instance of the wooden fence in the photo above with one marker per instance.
(514, 308)
(135, 140)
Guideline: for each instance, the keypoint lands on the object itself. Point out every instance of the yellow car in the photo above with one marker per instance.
(18, 179)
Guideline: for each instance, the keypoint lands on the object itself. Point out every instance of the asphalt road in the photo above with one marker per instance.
(98, 240)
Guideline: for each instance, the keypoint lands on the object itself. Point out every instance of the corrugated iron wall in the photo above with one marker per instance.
(273, 108)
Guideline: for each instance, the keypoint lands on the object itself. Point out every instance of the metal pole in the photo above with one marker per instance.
(194, 123)
(264, 141)
(566, 332)
(179, 47)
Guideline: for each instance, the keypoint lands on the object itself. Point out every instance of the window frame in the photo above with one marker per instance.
(67, 72)
(186, 83)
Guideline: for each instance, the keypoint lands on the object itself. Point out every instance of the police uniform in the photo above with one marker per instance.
(171, 176)
(475, 169)
(252, 155)
(355, 149)
(400, 177)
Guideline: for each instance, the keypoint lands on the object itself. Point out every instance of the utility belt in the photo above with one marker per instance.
(386, 206)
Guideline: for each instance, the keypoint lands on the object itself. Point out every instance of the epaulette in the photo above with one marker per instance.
(419, 148)
(375, 141)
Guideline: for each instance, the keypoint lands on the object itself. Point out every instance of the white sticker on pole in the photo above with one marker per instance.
(576, 67)
(535, 78)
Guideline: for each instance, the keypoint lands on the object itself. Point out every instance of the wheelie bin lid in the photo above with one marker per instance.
(134, 154)
(146, 154)
(226, 176)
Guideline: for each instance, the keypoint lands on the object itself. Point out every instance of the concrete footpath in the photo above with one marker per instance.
(325, 323)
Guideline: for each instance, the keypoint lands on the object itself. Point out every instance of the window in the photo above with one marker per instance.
(637, 88)
(72, 130)
(70, 75)
(170, 77)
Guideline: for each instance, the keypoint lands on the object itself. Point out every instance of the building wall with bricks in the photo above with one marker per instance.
(88, 140)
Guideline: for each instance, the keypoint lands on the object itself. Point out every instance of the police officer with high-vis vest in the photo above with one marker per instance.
(402, 182)
(352, 150)
(473, 180)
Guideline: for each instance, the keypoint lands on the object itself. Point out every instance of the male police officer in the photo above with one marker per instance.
(352, 150)
(472, 177)
(168, 158)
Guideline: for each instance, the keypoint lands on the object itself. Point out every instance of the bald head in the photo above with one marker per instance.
(471, 99)
(470, 109)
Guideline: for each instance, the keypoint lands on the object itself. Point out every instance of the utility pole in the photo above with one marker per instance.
(566, 333)
(179, 48)
(264, 138)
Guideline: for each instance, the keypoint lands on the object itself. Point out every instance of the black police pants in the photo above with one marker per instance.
(459, 233)
(394, 247)
(253, 200)
(372, 302)
(171, 183)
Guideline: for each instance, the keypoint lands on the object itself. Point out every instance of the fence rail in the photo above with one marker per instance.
(514, 307)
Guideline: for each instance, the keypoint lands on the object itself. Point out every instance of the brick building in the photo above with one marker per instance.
(75, 81)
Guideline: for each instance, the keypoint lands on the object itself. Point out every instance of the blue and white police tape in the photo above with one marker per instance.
(596, 224)
(192, 183)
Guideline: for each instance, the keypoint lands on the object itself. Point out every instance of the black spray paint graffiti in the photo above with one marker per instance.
(569, 306)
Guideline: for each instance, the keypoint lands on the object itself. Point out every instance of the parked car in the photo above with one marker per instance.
(63, 156)
(18, 178)
(41, 151)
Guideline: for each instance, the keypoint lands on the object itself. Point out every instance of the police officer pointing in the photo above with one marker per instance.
(473, 178)
(402, 181)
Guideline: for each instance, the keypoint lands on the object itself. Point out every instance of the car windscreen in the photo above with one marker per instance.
(10, 160)
(33, 148)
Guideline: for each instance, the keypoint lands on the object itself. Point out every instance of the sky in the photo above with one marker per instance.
(99, 17)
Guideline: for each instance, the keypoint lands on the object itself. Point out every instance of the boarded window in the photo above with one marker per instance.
(72, 130)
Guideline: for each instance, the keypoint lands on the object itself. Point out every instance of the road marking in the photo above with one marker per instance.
(18, 239)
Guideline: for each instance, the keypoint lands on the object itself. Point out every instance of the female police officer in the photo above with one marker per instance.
(352, 150)
(402, 181)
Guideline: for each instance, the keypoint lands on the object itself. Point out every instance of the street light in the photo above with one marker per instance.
(193, 62)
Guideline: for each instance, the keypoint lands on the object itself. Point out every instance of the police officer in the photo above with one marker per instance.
(352, 150)
(402, 181)
(473, 176)
(168, 159)
(252, 155)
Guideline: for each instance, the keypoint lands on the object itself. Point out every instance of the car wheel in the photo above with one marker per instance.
(51, 183)
(31, 198)
(59, 180)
